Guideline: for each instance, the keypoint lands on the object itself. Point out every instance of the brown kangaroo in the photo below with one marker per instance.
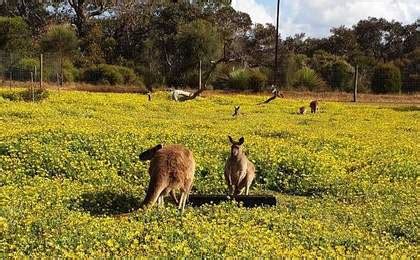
(302, 110)
(171, 168)
(239, 171)
(314, 106)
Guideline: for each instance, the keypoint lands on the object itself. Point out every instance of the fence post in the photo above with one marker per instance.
(356, 79)
(41, 70)
(32, 87)
(10, 79)
(199, 80)
(35, 73)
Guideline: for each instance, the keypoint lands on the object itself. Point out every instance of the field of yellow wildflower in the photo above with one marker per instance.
(346, 179)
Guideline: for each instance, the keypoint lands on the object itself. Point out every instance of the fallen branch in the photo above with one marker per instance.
(276, 94)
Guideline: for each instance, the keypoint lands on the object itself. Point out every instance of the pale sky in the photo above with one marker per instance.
(316, 17)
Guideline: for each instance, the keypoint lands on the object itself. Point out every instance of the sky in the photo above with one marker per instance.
(317, 17)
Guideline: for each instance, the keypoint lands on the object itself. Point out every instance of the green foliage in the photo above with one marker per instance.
(334, 70)
(308, 79)
(386, 79)
(61, 39)
(70, 72)
(341, 75)
(129, 76)
(28, 64)
(14, 35)
(103, 74)
(411, 72)
(257, 80)
(241, 79)
(110, 75)
(27, 95)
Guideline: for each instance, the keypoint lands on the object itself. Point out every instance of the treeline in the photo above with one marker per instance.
(165, 43)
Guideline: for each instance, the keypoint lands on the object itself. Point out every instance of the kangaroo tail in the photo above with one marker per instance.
(153, 193)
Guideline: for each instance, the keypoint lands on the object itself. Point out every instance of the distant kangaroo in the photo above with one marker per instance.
(171, 168)
(302, 110)
(314, 106)
(239, 171)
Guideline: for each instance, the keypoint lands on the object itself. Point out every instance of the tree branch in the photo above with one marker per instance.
(276, 94)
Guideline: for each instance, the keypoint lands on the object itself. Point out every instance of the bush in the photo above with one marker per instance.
(335, 70)
(341, 75)
(70, 73)
(257, 80)
(386, 79)
(26, 95)
(241, 79)
(129, 76)
(111, 75)
(28, 64)
(103, 74)
(309, 79)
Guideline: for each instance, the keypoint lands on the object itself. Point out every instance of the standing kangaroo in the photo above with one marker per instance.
(239, 171)
(171, 168)
(314, 106)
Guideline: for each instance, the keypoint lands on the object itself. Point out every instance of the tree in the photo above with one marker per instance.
(84, 11)
(14, 35)
(61, 39)
(343, 41)
(196, 41)
(369, 34)
(34, 13)
(386, 79)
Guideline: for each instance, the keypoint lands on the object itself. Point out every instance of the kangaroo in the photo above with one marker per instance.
(314, 106)
(171, 168)
(239, 171)
(302, 110)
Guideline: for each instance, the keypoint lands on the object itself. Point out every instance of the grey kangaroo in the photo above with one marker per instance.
(239, 171)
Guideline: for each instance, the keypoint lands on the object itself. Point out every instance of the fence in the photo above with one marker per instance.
(17, 69)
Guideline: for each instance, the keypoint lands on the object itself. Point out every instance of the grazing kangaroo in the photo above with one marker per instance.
(302, 110)
(314, 106)
(171, 168)
(236, 113)
(239, 171)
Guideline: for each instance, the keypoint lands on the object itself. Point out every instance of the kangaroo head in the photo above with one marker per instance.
(236, 148)
(149, 154)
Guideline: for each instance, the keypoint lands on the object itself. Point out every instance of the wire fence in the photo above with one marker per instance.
(17, 69)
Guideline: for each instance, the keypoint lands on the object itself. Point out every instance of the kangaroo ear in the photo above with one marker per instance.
(241, 140)
(158, 147)
(231, 140)
(149, 154)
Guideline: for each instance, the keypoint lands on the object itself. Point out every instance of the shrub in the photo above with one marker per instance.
(257, 80)
(28, 64)
(335, 70)
(129, 76)
(341, 75)
(241, 79)
(103, 74)
(70, 73)
(26, 95)
(309, 79)
(111, 75)
(386, 79)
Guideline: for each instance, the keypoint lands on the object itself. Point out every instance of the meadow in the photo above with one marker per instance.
(346, 179)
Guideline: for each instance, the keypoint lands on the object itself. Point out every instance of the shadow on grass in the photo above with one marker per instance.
(107, 203)
(407, 109)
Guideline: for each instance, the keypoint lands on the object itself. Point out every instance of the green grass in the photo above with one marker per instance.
(346, 179)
